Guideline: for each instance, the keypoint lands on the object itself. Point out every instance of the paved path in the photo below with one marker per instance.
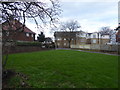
(86, 51)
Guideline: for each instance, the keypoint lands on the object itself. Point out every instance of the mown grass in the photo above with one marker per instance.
(66, 69)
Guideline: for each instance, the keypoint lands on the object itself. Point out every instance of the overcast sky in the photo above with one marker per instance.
(91, 14)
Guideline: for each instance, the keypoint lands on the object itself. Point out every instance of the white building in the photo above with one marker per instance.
(97, 38)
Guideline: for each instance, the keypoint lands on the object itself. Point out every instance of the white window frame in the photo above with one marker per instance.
(64, 38)
(27, 34)
(94, 36)
(59, 39)
(94, 41)
(65, 44)
(31, 35)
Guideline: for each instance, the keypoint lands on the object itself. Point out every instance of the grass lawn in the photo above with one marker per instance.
(65, 69)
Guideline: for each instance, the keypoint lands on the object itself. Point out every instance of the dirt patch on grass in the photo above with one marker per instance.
(12, 79)
(6, 76)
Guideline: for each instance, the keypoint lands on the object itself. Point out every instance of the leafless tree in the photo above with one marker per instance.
(68, 30)
(104, 30)
(107, 31)
(40, 12)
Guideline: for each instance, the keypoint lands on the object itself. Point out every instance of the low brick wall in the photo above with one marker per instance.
(113, 48)
(21, 49)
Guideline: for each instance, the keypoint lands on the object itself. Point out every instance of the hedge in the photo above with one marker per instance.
(28, 44)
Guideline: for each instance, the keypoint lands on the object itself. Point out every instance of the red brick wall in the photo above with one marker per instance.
(22, 49)
(22, 37)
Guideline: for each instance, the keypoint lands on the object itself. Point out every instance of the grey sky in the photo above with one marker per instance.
(90, 14)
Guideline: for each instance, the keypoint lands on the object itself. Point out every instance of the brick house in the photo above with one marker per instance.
(79, 38)
(16, 31)
(61, 39)
(64, 39)
(88, 38)
(97, 38)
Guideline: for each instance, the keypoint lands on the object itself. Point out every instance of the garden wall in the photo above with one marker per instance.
(98, 47)
(20, 49)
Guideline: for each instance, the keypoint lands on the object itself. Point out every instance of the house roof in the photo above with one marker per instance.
(16, 25)
(28, 30)
(106, 34)
(65, 32)
(118, 28)
(89, 33)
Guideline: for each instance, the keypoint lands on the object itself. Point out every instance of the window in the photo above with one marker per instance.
(94, 41)
(94, 36)
(27, 34)
(31, 35)
(77, 34)
(59, 39)
(58, 44)
(64, 38)
(64, 44)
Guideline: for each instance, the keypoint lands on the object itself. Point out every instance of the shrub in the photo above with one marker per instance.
(28, 44)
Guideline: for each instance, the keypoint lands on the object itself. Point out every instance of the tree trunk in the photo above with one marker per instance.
(69, 44)
(98, 38)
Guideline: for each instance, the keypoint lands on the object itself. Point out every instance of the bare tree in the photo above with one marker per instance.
(104, 30)
(68, 30)
(40, 12)
(107, 31)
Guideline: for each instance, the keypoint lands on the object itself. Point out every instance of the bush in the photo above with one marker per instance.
(52, 45)
(28, 44)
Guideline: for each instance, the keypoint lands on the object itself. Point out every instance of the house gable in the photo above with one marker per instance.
(23, 33)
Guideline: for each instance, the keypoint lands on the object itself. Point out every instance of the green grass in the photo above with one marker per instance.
(66, 69)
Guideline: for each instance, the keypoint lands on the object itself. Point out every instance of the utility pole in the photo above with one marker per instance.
(118, 25)
(119, 13)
